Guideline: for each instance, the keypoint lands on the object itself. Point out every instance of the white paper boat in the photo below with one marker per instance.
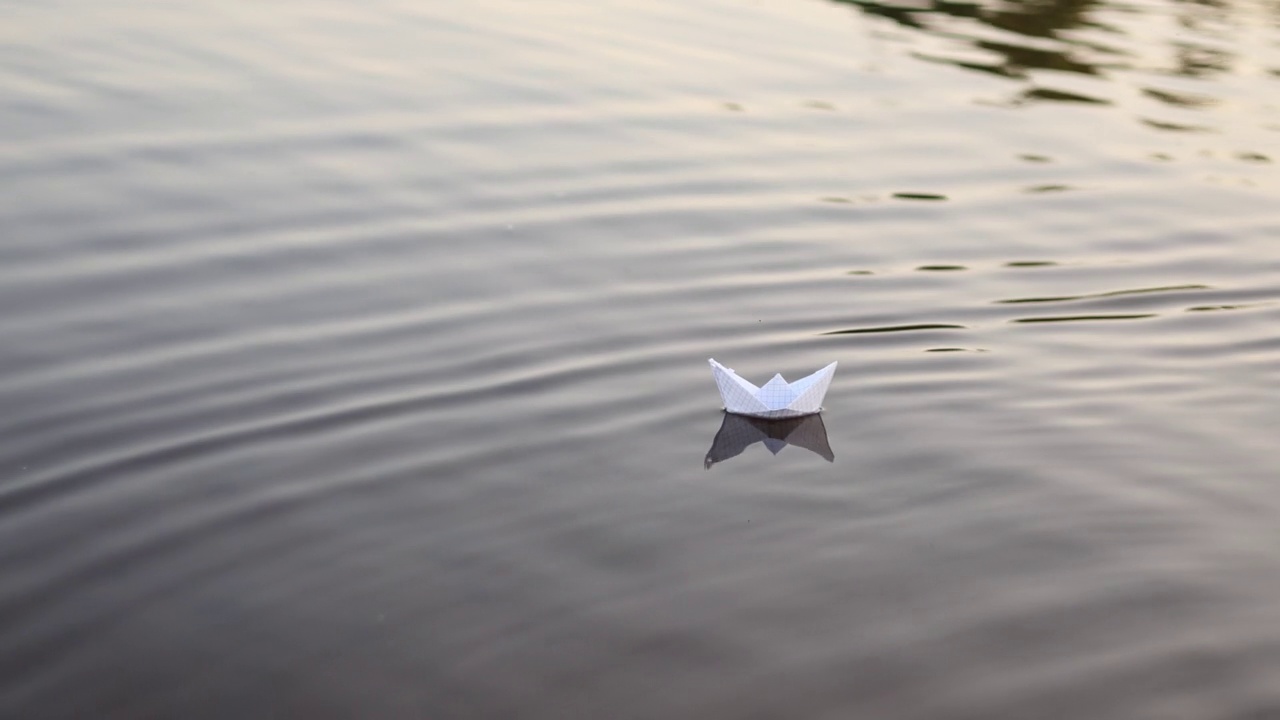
(776, 398)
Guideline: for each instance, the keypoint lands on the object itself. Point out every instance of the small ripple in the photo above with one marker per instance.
(1083, 318)
(1212, 308)
(918, 196)
(1175, 127)
(897, 328)
(1092, 296)
(1180, 99)
(1062, 96)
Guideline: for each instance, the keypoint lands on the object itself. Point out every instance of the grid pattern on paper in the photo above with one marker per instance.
(811, 390)
(776, 394)
(739, 395)
(777, 398)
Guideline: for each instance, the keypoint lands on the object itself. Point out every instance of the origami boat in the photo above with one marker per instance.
(738, 432)
(776, 398)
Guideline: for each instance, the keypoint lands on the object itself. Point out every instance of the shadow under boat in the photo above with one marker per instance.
(738, 432)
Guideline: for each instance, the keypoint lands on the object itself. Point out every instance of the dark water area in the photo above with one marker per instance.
(353, 359)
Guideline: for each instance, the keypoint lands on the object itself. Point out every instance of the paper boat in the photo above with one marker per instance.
(739, 432)
(776, 398)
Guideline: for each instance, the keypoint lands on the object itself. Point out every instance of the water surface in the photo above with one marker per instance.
(353, 359)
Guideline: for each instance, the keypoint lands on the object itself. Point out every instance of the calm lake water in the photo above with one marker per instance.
(353, 359)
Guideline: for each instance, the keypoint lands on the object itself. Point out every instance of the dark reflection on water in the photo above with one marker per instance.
(1031, 18)
(738, 432)
(1042, 41)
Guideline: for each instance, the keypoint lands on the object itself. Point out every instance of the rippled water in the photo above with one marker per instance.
(353, 359)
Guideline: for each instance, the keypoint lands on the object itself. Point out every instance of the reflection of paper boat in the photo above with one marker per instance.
(738, 432)
(776, 398)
